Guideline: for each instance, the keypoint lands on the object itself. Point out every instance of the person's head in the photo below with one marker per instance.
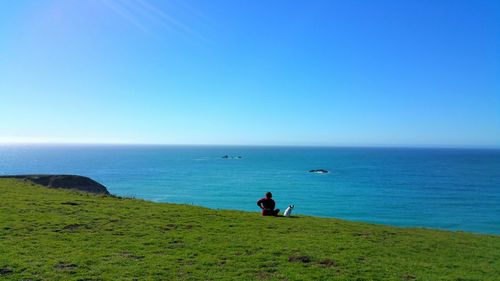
(269, 195)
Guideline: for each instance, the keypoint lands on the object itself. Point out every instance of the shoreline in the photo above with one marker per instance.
(56, 234)
(67, 182)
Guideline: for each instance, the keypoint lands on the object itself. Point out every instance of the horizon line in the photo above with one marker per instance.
(340, 145)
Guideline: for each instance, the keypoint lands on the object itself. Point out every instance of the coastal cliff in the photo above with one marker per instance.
(53, 234)
(73, 182)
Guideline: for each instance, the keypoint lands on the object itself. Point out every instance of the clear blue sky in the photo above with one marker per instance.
(271, 72)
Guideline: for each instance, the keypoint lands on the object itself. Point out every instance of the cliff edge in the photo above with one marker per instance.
(75, 182)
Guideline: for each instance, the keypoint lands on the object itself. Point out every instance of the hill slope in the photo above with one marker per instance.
(48, 234)
(74, 182)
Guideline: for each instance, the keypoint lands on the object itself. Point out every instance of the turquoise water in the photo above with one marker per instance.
(455, 189)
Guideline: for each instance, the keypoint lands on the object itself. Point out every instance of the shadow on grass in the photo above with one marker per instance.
(281, 216)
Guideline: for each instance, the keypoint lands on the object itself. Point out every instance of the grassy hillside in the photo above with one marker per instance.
(48, 234)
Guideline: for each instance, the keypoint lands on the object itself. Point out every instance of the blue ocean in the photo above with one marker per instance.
(453, 189)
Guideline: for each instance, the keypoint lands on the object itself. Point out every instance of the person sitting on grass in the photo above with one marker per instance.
(267, 205)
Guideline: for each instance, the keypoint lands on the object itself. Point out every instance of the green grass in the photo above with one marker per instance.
(48, 234)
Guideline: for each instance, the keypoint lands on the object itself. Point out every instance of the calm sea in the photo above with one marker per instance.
(455, 189)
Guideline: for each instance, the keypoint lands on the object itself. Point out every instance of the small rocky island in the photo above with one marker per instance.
(73, 182)
(319, 171)
(235, 157)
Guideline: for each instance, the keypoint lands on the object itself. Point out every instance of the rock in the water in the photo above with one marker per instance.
(79, 183)
(319, 171)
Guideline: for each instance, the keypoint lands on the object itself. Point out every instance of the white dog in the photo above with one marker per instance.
(288, 211)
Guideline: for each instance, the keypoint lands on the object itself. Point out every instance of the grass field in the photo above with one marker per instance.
(48, 234)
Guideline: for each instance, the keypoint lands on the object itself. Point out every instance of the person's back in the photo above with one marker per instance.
(267, 205)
